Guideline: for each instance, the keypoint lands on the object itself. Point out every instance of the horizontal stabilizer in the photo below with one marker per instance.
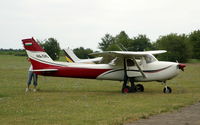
(43, 70)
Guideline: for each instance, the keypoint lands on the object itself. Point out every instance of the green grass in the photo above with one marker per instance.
(67, 101)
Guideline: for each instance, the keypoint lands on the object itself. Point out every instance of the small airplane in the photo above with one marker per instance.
(123, 66)
(71, 57)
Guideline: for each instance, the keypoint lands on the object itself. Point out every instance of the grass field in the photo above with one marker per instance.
(67, 101)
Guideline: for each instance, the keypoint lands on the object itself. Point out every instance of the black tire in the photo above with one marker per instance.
(167, 89)
(126, 89)
(140, 88)
(132, 89)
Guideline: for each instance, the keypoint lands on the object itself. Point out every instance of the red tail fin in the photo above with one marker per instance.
(31, 45)
(38, 57)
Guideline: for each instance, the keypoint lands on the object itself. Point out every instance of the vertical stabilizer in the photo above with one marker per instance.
(37, 55)
(70, 56)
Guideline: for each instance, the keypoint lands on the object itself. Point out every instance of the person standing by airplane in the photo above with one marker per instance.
(31, 75)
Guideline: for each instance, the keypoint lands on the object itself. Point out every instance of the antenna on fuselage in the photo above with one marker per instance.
(124, 49)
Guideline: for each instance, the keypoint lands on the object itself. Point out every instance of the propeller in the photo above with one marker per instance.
(181, 66)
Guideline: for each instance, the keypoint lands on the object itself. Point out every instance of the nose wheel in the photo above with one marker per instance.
(167, 89)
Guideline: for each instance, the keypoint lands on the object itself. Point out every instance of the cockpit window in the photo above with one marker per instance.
(130, 62)
(150, 59)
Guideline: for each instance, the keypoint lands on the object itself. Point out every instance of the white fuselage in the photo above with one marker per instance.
(155, 71)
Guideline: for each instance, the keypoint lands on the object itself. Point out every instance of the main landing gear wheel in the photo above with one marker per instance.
(167, 89)
(140, 88)
(132, 89)
(126, 89)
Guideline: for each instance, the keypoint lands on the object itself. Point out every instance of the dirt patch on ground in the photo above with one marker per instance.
(185, 116)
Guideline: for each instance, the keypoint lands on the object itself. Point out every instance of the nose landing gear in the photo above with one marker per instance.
(166, 89)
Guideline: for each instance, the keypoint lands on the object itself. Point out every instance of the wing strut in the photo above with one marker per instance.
(144, 76)
(125, 87)
(125, 73)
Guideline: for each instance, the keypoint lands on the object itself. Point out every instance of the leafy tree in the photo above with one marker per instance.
(140, 43)
(122, 40)
(52, 48)
(119, 42)
(176, 47)
(82, 53)
(194, 41)
(113, 47)
(107, 40)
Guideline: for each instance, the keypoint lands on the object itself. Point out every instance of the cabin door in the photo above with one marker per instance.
(131, 69)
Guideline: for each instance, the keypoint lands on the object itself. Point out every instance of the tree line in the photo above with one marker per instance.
(15, 52)
(180, 47)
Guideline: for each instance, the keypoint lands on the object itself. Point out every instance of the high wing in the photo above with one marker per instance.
(118, 56)
(155, 52)
(109, 56)
(127, 53)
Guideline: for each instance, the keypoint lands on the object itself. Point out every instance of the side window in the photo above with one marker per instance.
(148, 59)
(130, 62)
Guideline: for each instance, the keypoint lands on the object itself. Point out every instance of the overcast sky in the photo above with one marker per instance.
(76, 23)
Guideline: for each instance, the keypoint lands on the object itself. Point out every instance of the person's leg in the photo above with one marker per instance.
(35, 77)
(30, 76)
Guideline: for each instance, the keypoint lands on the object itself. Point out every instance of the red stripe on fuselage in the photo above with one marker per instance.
(67, 71)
